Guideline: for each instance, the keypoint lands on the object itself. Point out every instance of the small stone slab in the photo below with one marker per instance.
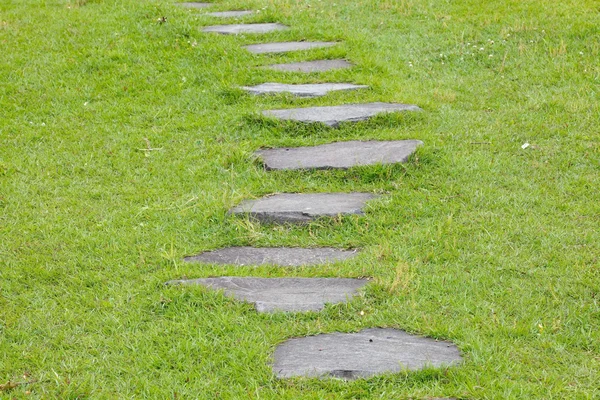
(230, 14)
(283, 294)
(194, 5)
(236, 29)
(302, 208)
(311, 66)
(284, 47)
(334, 115)
(341, 155)
(360, 355)
(304, 90)
(283, 256)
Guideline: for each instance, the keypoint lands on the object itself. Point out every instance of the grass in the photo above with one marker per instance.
(124, 142)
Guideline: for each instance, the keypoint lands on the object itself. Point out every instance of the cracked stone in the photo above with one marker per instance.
(311, 66)
(284, 47)
(283, 294)
(305, 90)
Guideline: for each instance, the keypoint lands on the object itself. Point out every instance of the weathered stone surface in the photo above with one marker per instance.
(194, 5)
(284, 47)
(334, 115)
(311, 66)
(339, 155)
(302, 208)
(236, 29)
(230, 14)
(363, 354)
(283, 294)
(283, 256)
(304, 90)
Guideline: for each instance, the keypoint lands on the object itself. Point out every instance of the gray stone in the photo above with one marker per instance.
(194, 5)
(311, 66)
(283, 256)
(230, 14)
(339, 155)
(236, 29)
(334, 115)
(306, 90)
(284, 47)
(360, 355)
(302, 208)
(283, 294)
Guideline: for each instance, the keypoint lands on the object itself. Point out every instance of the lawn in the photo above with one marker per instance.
(124, 141)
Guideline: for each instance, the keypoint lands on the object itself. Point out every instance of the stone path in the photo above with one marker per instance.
(230, 14)
(308, 90)
(359, 355)
(296, 208)
(311, 66)
(283, 294)
(341, 355)
(339, 155)
(335, 115)
(282, 256)
(236, 29)
(284, 47)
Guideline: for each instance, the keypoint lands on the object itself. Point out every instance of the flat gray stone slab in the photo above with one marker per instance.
(339, 155)
(194, 5)
(283, 294)
(334, 115)
(230, 14)
(304, 90)
(236, 29)
(311, 66)
(360, 355)
(284, 47)
(302, 208)
(283, 256)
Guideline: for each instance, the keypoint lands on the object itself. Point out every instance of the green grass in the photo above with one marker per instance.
(475, 240)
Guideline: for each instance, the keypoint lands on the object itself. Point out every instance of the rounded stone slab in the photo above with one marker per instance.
(236, 29)
(229, 14)
(341, 155)
(194, 5)
(302, 208)
(311, 66)
(283, 294)
(304, 90)
(359, 355)
(284, 47)
(334, 115)
(283, 256)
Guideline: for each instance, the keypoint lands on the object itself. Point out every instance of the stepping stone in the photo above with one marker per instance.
(230, 14)
(307, 90)
(341, 155)
(334, 115)
(284, 47)
(283, 256)
(236, 29)
(311, 66)
(302, 208)
(283, 294)
(194, 5)
(360, 355)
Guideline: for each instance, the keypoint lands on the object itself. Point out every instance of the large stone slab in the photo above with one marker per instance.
(340, 155)
(302, 90)
(283, 294)
(334, 115)
(283, 256)
(236, 29)
(284, 47)
(302, 208)
(230, 14)
(311, 66)
(360, 355)
(194, 5)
